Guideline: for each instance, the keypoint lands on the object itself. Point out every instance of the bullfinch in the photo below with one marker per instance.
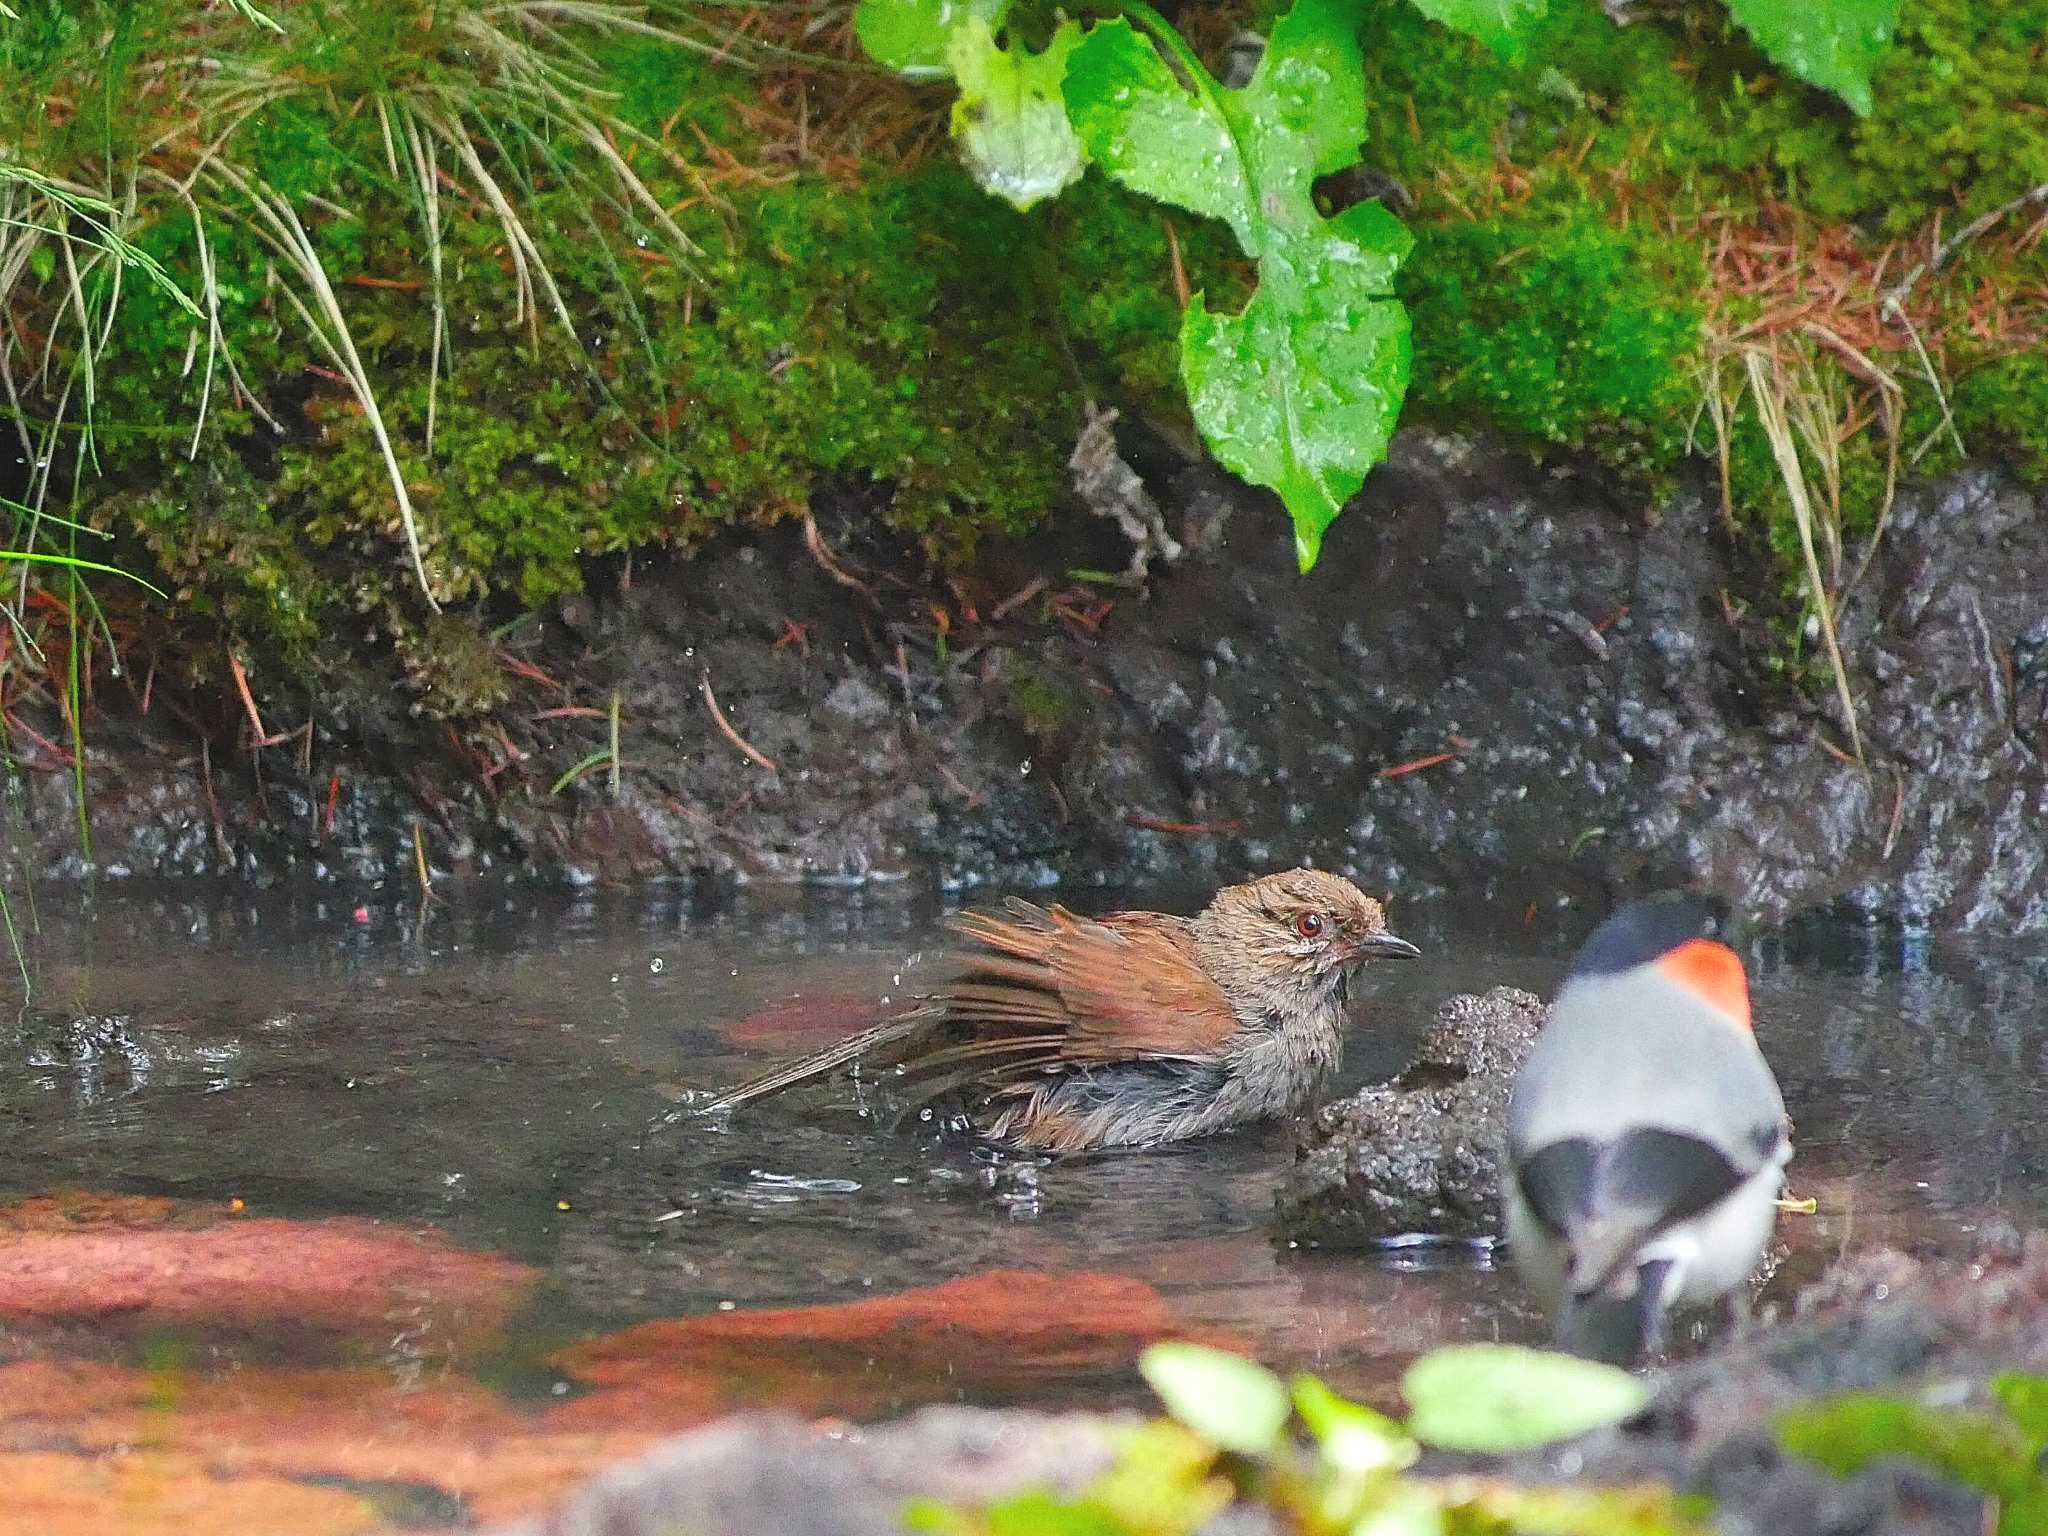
(1647, 1139)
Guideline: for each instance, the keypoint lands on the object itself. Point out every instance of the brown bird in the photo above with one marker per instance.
(1069, 1033)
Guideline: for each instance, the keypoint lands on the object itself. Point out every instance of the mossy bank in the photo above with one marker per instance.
(495, 318)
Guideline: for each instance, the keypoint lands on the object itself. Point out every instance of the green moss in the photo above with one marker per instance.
(1993, 1454)
(884, 324)
(1960, 126)
(1557, 326)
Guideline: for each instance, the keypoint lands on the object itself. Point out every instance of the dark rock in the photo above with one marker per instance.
(778, 1476)
(1420, 1154)
(1612, 722)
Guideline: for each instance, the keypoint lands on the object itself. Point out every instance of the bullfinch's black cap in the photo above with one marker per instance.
(1647, 930)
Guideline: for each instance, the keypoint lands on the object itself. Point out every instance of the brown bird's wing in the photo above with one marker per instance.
(1120, 988)
(1040, 989)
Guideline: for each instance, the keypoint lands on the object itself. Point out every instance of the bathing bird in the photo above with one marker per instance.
(1063, 1033)
(1647, 1138)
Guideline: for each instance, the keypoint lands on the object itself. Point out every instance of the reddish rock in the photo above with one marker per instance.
(75, 1210)
(157, 1494)
(1004, 1331)
(221, 1440)
(109, 1263)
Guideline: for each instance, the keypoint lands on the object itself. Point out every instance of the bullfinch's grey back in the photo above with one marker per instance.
(1646, 1133)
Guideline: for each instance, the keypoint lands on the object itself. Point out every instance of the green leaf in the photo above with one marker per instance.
(1352, 1437)
(910, 36)
(1301, 390)
(42, 261)
(1148, 131)
(1496, 23)
(1500, 1397)
(1225, 1398)
(2025, 1398)
(1011, 121)
(1833, 44)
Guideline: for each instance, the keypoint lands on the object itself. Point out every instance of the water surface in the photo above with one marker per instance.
(498, 1075)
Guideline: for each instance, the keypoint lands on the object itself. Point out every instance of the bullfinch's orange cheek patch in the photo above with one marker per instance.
(1714, 971)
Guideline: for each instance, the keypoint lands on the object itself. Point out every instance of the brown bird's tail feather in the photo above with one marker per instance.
(877, 1042)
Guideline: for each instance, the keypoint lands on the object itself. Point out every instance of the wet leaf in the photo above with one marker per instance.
(1164, 1480)
(1352, 1437)
(1010, 120)
(1300, 391)
(910, 36)
(1833, 44)
(1496, 23)
(1239, 1405)
(1501, 1397)
(1027, 1514)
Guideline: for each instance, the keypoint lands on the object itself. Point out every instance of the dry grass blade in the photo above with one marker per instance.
(1768, 388)
(280, 228)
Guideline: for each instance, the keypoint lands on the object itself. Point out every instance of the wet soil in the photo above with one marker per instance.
(1502, 682)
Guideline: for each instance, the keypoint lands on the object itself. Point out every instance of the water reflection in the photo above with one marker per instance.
(403, 1103)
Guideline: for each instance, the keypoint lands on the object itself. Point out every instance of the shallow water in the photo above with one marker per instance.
(499, 1075)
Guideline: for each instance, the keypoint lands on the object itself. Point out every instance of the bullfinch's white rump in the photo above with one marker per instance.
(1646, 1135)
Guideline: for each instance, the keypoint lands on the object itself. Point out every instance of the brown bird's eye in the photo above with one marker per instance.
(1309, 925)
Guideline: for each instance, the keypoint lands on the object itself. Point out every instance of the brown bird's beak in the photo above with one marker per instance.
(1385, 946)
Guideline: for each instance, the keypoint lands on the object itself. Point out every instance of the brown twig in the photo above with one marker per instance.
(747, 750)
(1945, 250)
(1891, 831)
(220, 829)
(814, 541)
(1399, 770)
(1016, 600)
(263, 738)
(419, 859)
(974, 797)
(1181, 290)
(1185, 828)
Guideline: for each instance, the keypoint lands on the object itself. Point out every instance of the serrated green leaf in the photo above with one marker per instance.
(1011, 120)
(1148, 130)
(1301, 390)
(1496, 23)
(1231, 1401)
(1833, 44)
(1500, 1397)
(910, 36)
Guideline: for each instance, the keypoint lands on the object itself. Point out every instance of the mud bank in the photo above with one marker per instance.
(1883, 1323)
(1500, 681)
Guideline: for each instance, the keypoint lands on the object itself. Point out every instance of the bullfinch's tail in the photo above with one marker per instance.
(1620, 1330)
